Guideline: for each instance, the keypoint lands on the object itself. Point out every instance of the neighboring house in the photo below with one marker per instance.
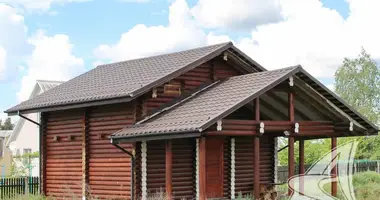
(5, 154)
(25, 136)
(201, 123)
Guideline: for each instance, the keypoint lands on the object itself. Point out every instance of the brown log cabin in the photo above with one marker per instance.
(196, 124)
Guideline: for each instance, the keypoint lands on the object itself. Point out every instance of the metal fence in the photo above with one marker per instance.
(282, 172)
(11, 187)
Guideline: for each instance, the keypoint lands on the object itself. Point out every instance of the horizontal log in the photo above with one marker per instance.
(231, 133)
(110, 160)
(109, 183)
(91, 164)
(108, 178)
(238, 122)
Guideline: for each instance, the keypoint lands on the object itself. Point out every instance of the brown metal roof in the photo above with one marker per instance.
(202, 110)
(197, 113)
(122, 80)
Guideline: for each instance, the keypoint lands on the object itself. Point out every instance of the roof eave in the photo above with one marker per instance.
(339, 99)
(157, 136)
(70, 106)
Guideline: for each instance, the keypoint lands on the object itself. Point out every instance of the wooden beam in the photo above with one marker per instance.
(256, 167)
(283, 103)
(257, 109)
(232, 133)
(290, 161)
(291, 107)
(334, 172)
(256, 157)
(318, 99)
(291, 140)
(273, 109)
(43, 152)
(202, 168)
(301, 167)
(168, 169)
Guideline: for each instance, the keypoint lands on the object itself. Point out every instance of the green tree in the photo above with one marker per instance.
(7, 124)
(357, 81)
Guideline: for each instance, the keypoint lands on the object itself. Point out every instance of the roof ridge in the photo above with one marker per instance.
(51, 81)
(269, 71)
(165, 54)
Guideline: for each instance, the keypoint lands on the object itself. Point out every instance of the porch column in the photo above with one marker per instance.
(256, 163)
(291, 140)
(168, 169)
(334, 171)
(232, 168)
(202, 168)
(256, 159)
(143, 170)
(301, 162)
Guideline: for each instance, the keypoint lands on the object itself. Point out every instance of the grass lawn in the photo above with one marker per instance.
(366, 186)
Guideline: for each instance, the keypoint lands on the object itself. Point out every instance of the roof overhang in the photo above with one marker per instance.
(247, 63)
(72, 106)
(161, 136)
(366, 127)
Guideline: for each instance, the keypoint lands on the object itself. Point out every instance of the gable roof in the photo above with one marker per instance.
(124, 81)
(196, 114)
(46, 85)
(40, 87)
(203, 110)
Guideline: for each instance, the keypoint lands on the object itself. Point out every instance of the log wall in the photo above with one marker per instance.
(109, 168)
(63, 158)
(213, 70)
(244, 163)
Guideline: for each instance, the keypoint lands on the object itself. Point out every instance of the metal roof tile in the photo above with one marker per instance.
(201, 111)
(117, 80)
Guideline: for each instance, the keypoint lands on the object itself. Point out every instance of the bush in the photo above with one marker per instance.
(367, 185)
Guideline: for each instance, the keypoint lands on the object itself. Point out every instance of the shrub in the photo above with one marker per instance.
(367, 185)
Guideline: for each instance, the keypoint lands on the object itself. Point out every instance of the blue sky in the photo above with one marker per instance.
(50, 40)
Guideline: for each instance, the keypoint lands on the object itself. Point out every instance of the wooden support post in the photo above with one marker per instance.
(290, 160)
(168, 169)
(256, 157)
(42, 188)
(334, 171)
(301, 162)
(256, 167)
(291, 140)
(202, 168)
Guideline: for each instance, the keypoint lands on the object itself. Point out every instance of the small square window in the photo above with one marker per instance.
(173, 88)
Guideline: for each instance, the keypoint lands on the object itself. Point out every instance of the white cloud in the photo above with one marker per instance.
(315, 36)
(38, 5)
(241, 14)
(52, 59)
(212, 38)
(141, 41)
(97, 63)
(3, 55)
(135, 1)
(12, 39)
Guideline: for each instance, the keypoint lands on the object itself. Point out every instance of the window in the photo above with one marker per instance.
(173, 88)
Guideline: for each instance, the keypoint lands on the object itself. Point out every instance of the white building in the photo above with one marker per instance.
(25, 136)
